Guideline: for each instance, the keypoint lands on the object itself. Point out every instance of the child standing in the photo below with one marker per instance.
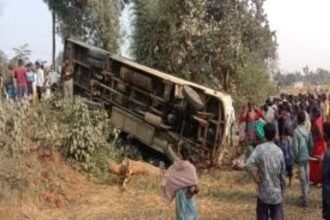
(286, 144)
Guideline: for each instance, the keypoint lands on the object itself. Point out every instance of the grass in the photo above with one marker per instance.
(224, 195)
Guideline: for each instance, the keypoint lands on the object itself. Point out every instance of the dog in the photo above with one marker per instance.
(128, 168)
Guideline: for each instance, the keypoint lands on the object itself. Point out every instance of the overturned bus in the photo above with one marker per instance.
(158, 109)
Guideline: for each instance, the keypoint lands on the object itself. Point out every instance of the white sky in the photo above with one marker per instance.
(303, 32)
(302, 28)
(27, 21)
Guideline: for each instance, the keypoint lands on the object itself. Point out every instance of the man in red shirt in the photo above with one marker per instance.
(20, 76)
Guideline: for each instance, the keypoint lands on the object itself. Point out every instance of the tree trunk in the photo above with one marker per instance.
(54, 38)
(225, 82)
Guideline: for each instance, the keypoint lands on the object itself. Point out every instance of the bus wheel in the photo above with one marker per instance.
(193, 98)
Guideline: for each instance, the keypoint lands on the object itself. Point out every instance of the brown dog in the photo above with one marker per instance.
(127, 168)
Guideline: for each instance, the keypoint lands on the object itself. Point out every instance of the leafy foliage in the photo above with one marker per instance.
(12, 122)
(93, 21)
(88, 133)
(3, 57)
(12, 145)
(22, 52)
(205, 41)
(247, 91)
(81, 134)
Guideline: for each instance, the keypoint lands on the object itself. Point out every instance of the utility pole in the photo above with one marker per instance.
(54, 35)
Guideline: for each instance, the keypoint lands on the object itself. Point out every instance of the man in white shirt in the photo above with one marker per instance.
(40, 81)
(54, 79)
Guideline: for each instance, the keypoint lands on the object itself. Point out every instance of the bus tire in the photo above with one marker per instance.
(193, 98)
(97, 54)
(95, 63)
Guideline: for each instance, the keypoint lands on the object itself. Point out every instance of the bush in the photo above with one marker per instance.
(12, 178)
(89, 132)
(12, 145)
(12, 121)
(80, 134)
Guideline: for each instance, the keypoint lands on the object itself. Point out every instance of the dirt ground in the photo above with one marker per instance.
(57, 191)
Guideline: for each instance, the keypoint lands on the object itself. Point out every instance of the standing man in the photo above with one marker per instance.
(20, 76)
(40, 80)
(54, 79)
(267, 167)
(302, 145)
(326, 175)
(67, 79)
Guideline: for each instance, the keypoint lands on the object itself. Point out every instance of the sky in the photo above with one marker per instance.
(27, 21)
(303, 32)
(301, 26)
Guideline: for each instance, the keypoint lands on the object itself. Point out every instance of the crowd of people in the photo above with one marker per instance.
(34, 82)
(285, 132)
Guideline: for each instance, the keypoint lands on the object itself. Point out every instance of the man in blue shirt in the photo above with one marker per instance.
(267, 166)
(302, 145)
(326, 175)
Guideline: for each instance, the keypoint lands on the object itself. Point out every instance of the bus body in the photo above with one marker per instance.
(160, 110)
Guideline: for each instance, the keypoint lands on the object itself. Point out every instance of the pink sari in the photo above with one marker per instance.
(180, 175)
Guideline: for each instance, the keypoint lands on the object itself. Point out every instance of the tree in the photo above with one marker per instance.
(22, 52)
(3, 62)
(54, 37)
(253, 84)
(105, 26)
(206, 41)
(93, 21)
(155, 34)
(3, 57)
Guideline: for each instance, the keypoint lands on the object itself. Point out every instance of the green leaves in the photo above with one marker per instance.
(93, 21)
(206, 41)
(86, 133)
(21, 52)
(253, 84)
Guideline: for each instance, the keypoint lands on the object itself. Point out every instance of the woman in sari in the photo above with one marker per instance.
(318, 149)
(251, 117)
(181, 182)
(317, 120)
